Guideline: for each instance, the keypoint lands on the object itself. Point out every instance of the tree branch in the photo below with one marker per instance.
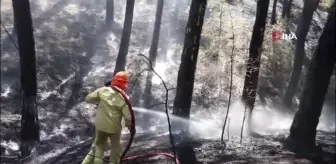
(11, 38)
(171, 89)
(157, 104)
(166, 105)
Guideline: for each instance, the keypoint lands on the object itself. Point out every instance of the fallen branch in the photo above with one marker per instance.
(63, 82)
(66, 151)
(231, 76)
(15, 159)
(166, 105)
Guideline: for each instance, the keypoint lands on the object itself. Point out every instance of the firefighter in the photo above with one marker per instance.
(111, 109)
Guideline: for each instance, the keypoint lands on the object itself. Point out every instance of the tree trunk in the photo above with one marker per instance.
(253, 62)
(30, 130)
(186, 153)
(303, 129)
(125, 38)
(109, 19)
(286, 8)
(153, 52)
(301, 33)
(186, 73)
(273, 19)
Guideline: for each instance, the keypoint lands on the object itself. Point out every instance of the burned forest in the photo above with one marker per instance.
(168, 82)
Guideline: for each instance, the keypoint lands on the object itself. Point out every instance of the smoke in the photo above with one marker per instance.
(204, 125)
(327, 118)
(265, 120)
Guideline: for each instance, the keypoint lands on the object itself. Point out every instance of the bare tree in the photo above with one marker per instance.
(301, 33)
(273, 18)
(253, 62)
(186, 73)
(30, 130)
(109, 19)
(231, 77)
(303, 129)
(286, 8)
(125, 38)
(152, 57)
(171, 137)
(153, 52)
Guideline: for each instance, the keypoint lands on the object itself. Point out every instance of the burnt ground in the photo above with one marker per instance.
(262, 149)
(257, 149)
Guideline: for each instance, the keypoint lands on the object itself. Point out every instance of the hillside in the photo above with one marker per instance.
(76, 53)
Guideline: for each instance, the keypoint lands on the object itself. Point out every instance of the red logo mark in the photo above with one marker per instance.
(276, 35)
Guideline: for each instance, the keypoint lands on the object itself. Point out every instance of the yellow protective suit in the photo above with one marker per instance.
(111, 109)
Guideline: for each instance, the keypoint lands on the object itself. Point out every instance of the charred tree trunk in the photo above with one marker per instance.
(186, 154)
(186, 73)
(301, 33)
(286, 8)
(109, 19)
(253, 62)
(30, 130)
(273, 18)
(303, 129)
(153, 52)
(125, 38)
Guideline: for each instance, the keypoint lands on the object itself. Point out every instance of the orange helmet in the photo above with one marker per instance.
(120, 80)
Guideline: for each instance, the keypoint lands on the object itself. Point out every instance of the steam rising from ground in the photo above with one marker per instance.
(209, 124)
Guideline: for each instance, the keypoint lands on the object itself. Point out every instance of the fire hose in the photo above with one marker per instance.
(123, 157)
